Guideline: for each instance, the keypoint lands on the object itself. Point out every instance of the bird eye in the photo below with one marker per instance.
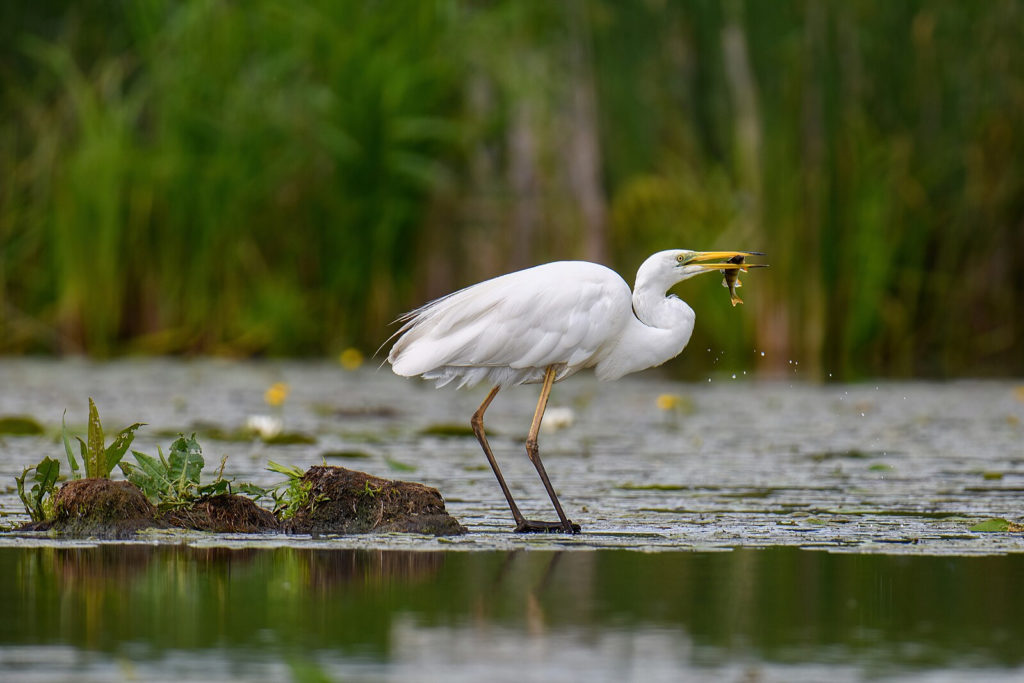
(680, 258)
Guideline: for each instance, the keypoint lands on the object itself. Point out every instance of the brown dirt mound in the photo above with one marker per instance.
(224, 513)
(343, 501)
(99, 507)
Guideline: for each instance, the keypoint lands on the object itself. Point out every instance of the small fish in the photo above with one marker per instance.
(731, 279)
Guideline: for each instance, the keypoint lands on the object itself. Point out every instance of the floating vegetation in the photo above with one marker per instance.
(347, 455)
(19, 425)
(329, 410)
(399, 466)
(853, 453)
(290, 439)
(996, 525)
(652, 487)
(449, 429)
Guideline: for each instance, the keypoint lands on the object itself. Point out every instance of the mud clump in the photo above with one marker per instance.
(343, 501)
(99, 508)
(224, 513)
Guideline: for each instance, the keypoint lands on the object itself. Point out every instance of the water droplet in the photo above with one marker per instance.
(862, 414)
(734, 375)
(762, 354)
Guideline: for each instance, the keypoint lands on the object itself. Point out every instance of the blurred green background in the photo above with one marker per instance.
(285, 178)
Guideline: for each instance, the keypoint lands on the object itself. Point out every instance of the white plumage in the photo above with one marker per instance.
(546, 323)
(507, 330)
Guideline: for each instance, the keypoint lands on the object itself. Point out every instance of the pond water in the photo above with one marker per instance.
(733, 530)
(196, 613)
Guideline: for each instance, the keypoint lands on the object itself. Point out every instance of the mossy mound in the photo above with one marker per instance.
(223, 513)
(99, 508)
(343, 501)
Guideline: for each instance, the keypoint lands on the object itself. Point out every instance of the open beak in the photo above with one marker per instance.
(725, 260)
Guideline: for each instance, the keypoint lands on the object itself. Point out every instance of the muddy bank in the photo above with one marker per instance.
(100, 508)
(335, 501)
(343, 501)
(223, 513)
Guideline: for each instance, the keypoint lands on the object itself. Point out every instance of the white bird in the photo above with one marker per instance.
(546, 323)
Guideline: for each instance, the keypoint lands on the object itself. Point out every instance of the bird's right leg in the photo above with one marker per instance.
(478, 428)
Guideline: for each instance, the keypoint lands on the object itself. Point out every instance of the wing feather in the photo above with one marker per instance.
(557, 314)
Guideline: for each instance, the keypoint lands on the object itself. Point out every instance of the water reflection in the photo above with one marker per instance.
(618, 609)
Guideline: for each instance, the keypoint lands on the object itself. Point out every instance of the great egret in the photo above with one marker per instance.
(546, 323)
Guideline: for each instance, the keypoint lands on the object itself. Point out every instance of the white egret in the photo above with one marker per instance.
(546, 323)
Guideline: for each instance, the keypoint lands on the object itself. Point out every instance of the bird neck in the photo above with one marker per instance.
(660, 330)
(654, 307)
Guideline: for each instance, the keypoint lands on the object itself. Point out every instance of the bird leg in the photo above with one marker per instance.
(478, 428)
(533, 451)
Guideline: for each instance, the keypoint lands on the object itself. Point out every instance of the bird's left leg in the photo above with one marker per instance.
(478, 428)
(533, 450)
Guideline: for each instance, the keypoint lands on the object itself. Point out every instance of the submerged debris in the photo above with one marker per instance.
(343, 501)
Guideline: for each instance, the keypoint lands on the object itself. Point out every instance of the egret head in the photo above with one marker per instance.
(669, 267)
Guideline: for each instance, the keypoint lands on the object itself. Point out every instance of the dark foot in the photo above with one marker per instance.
(532, 526)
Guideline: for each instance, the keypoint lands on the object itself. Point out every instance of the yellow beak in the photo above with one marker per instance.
(722, 260)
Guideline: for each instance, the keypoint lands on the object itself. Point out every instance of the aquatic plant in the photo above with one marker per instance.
(38, 501)
(174, 480)
(97, 461)
(289, 496)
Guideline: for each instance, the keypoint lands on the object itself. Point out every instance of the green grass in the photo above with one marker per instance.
(286, 178)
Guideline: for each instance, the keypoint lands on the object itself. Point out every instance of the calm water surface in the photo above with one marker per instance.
(178, 612)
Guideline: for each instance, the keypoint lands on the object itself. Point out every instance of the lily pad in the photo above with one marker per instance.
(445, 429)
(996, 524)
(19, 425)
(652, 487)
(352, 455)
(290, 438)
(399, 466)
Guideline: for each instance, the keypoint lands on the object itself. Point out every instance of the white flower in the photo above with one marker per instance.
(266, 426)
(557, 418)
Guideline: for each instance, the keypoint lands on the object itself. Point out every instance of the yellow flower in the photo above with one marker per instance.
(276, 394)
(351, 358)
(668, 401)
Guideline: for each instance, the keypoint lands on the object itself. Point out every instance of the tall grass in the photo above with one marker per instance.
(275, 177)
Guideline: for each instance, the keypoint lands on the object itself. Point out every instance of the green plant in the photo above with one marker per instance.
(38, 501)
(97, 460)
(290, 495)
(175, 480)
